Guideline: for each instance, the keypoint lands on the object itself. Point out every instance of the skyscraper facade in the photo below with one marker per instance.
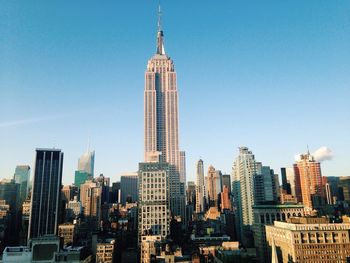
(21, 177)
(129, 187)
(161, 106)
(86, 163)
(45, 199)
(214, 186)
(243, 172)
(183, 167)
(200, 188)
(309, 185)
(161, 120)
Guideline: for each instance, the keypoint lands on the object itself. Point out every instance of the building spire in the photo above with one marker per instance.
(159, 18)
(160, 42)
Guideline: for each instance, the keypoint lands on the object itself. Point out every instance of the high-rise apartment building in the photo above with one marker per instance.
(86, 163)
(243, 172)
(21, 177)
(308, 179)
(214, 186)
(46, 193)
(161, 120)
(200, 187)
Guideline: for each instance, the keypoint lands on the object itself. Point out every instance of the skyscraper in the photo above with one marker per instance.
(86, 163)
(266, 185)
(161, 120)
(129, 187)
(161, 106)
(46, 191)
(200, 188)
(308, 181)
(214, 186)
(243, 172)
(21, 177)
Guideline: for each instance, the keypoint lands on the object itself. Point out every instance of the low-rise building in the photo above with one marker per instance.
(68, 233)
(309, 240)
(266, 215)
(149, 244)
(105, 251)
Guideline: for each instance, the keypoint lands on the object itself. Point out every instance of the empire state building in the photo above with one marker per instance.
(161, 108)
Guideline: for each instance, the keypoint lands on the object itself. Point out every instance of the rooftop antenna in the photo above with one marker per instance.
(308, 151)
(88, 148)
(159, 18)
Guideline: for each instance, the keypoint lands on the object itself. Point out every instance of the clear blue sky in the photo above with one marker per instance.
(270, 75)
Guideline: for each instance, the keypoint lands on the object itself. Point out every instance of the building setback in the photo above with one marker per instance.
(161, 120)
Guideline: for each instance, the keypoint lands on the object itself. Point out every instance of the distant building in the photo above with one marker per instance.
(21, 177)
(200, 187)
(86, 163)
(183, 167)
(46, 191)
(114, 194)
(90, 198)
(308, 178)
(309, 240)
(5, 219)
(226, 180)
(10, 193)
(225, 199)
(191, 193)
(129, 187)
(214, 186)
(81, 177)
(69, 191)
(344, 185)
(74, 208)
(266, 185)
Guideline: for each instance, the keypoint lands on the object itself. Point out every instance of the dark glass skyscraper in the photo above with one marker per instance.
(45, 200)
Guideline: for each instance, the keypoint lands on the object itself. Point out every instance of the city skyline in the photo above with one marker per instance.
(272, 126)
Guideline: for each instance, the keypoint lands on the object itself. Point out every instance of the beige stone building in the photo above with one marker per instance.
(308, 239)
(67, 232)
(105, 251)
(267, 215)
(149, 247)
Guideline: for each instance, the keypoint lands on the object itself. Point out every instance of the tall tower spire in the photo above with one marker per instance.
(160, 41)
